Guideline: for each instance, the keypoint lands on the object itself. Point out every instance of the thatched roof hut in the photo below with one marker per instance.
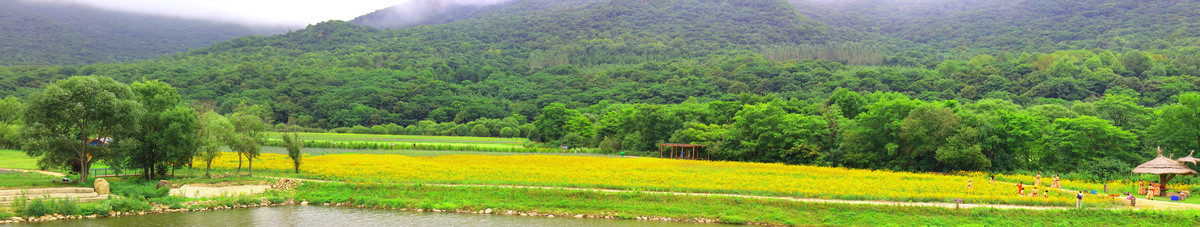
(1190, 159)
(1165, 168)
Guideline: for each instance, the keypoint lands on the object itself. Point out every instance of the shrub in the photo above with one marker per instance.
(6, 215)
(359, 129)
(138, 189)
(36, 208)
(128, 205)
(66, 207)
(101, 209)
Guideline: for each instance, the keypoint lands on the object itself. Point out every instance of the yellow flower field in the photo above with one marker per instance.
(655, 174)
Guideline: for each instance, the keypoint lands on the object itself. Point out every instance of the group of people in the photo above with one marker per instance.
(1056, 183)
(1150, 189)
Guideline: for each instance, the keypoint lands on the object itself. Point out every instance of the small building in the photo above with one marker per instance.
(683, 151)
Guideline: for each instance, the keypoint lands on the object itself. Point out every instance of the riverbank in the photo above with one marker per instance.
(549, 203)
(677, 208)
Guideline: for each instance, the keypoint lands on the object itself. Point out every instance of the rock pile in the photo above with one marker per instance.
(286, 184)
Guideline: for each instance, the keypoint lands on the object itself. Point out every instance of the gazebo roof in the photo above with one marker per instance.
(1190, 159)
(1163, 165)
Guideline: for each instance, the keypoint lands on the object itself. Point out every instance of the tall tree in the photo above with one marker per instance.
(214, 132)
(1178, 125)
(292, 142)
(167, 136)
(63, 117)
(248, 137)
(1075, 142)
(11, 109)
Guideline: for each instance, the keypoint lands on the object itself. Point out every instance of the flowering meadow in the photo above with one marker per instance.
(655, 174)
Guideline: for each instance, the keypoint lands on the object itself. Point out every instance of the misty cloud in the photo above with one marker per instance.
(288, 13)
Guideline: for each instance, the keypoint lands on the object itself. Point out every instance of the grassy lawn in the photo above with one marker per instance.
(725, 209)
(14, 159)
(16, 180)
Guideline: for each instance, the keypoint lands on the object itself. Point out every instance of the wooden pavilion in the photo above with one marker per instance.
(682, 151)
(1165, 168)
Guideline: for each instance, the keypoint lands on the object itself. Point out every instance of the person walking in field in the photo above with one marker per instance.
(993, 179)
(969, 185)
(1038, 181)
(1079, 200)
(1020, 189)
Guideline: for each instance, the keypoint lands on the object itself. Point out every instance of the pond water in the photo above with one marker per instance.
(341, 216)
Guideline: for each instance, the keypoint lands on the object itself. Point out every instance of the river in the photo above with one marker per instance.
(340, 216)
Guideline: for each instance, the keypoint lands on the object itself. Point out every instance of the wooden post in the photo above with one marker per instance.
(660, 147)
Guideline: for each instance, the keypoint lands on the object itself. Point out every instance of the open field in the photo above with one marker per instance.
(656, 175)
(326, 151)
(723, 209)
(14, 159)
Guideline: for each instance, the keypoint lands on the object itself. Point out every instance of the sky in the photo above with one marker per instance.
(287, 13)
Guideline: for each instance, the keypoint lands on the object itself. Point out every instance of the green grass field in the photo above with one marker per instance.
(725, 209)
(14, 179)
(14, 159)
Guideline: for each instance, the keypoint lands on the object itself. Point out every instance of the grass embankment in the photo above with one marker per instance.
(653, 174)
(726, 209)
(19, 180)
(138, 195)
(14, 159)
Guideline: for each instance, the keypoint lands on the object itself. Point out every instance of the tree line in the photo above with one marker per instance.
(79, 121)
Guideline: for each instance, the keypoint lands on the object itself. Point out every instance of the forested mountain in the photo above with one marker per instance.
(937, 85)
(982, 26)
(524, 55)
(422, 12)
(65, 34)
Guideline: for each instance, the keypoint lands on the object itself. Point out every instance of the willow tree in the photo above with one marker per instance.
(213, 132)
(63, 117)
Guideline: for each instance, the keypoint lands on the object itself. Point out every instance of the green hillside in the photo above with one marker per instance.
(63, 34)
(1026, 25)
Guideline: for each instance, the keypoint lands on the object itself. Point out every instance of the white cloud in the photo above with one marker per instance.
(291, 13)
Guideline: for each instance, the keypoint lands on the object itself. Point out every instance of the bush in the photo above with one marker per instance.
(379, 129)
(66, 207)
(37, 208)
(359, 129)
(100, 209)
(138, 189)
(128, 205)
(6, 215)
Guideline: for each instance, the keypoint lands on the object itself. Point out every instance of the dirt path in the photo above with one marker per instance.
(811, 200)
(56, 174)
